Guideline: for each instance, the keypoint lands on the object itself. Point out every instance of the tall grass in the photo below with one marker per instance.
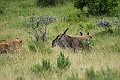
(16, 66)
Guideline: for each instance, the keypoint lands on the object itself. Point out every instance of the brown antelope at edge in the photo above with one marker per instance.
(82, 37)
(57, 42)
(69, 41)
(86, 39)
(15, 45)
(4, 47)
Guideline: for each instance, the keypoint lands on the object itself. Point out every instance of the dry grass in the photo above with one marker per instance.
(14, 66)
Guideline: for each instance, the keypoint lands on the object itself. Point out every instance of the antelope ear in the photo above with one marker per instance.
(81, 33)
(87, 33)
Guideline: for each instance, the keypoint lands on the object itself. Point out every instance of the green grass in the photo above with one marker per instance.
(16, 66)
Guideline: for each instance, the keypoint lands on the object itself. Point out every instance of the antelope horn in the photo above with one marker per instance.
(65, 31)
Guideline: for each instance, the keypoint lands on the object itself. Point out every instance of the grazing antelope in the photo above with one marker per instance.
(69, 41)
(57, 42)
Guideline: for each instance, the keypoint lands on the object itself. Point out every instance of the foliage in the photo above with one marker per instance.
(62, 62)
(90, 73)
(1, 10)
(44, 3)
(73, 77)
(46, 64)
(97, 7)
(89, 26)
(38, 46)
(38, 25)
(116, 47)
(32, 47)
(37, 68)
(20, 78)
(79, 4)
(108, 74)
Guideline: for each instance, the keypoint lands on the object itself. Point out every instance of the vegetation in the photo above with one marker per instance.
(38, 26)
(97, 7)
(37, 68)
(62, 62)
(107, 74)
(46, 3)
(39, 60)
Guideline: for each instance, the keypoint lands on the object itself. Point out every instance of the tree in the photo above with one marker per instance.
(97, 7)
(38, 25)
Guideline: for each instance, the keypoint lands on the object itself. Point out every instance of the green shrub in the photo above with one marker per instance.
(90, 74)
(116, 47)
(1, 10)
(108, 74)
(31, 47)
(88, 27)
(20, 78)
(37, 68)
(44, 3)
(73, 77)
(46, 64)
(39, 46)
(62, 62)
(97, 7)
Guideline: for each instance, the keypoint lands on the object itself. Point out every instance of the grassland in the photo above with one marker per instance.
(16, 66)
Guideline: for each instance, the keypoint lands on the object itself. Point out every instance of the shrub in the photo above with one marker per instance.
(44, 3)
(46, 64)
(39, 46)
(31, 47)
(90, 74)
(97, 7)
(37, 68)
(116, 47)
(20, 78)
(38, 25)
(1, 10)
(108, 74)
(62, 62)
(88, 27)
(73, 77)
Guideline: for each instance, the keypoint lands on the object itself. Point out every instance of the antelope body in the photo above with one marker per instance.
(70, 41)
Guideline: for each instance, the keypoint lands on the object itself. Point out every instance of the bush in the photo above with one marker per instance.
(44, 3)
(20, 78)
(73, 77)
(90, 74)
(46, 64)
(39, 46)
(88, 27)
(37, 68)
(107, 74)
(31, 47)
(38, 26)
(116, 47)
(62, 62)
(97, 7)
